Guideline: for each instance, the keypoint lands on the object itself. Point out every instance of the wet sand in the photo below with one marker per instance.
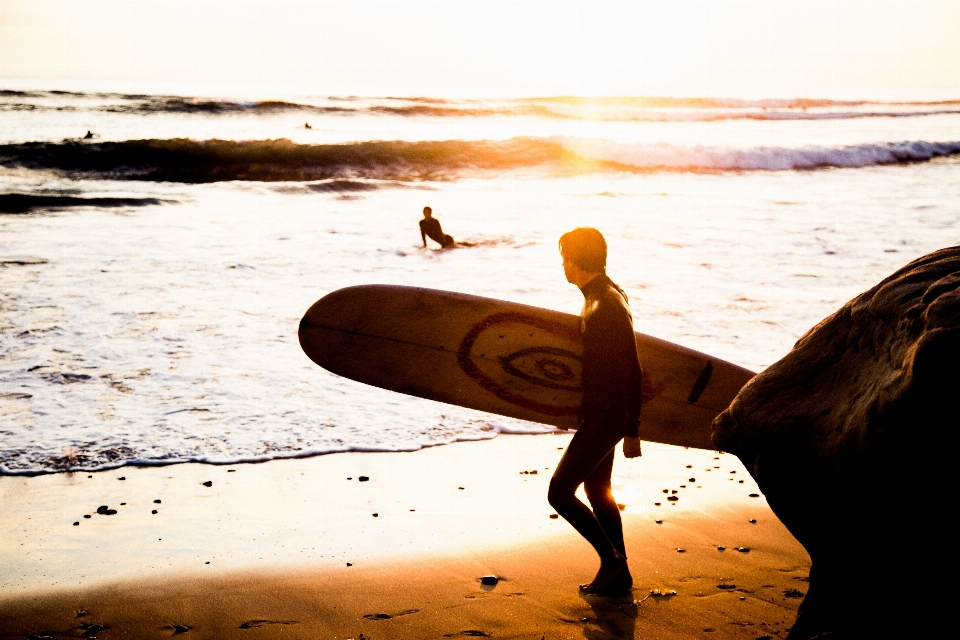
(295, 549)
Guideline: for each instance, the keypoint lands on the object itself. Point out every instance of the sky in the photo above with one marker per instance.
(454, 48)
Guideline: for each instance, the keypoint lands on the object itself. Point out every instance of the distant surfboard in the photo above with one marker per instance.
(505, 358)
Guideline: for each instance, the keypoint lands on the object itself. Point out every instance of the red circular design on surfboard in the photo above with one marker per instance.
(471, 369)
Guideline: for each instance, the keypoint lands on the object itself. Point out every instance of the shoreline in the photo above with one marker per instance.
(271, 542)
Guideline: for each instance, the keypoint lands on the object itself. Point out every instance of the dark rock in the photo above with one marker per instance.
(489, 580)
(721, 548)
(122, 478)
(864, 401)
(554, 516)
(154, 511)
(208, 483)
(743, 549)
(88, 516)
(156, 502)
(659, 521)
(681, 550)
(672, 498)
(104, 510)
(76, 524)
(692, 480)
(363, 479)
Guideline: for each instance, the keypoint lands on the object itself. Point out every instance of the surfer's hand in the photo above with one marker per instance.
(631, 447)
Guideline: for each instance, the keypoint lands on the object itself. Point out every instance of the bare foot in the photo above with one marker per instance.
(613, 578)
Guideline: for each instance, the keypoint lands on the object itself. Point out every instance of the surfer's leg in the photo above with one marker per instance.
(588, 449)
(600, 494)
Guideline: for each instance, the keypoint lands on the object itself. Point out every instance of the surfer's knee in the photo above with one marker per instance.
(560, 493)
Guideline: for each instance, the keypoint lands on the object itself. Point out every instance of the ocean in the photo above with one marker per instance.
(158, 251)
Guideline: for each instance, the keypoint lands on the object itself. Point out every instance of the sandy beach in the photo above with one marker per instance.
(303, 548)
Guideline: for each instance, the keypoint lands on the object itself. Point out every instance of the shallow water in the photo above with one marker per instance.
(167, 332)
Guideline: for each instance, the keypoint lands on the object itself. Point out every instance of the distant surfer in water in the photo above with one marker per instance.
(610, 411)
(430, 227)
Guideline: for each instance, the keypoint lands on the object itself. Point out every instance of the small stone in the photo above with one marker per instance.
(206, 563)
(104, 510)
(156, 502)
(208, 483)
(376, 515)
(122, 478)
(681, 550)
(666, 490)
(656, 504)
(349, 564)
(743, 549)
(489, 580)
(659, 521)
(672, 498)
(88, 516)
(350, 478)
(742, 598)
(674, 491)
(123, 504)
(460, 488)
(754, 495)
(154, 511)
(726, 586)
(554, 516)
(753, 521)
(734, 471)
(364, 478)
(721, 548)
(692, 480)
(740, 481)
(76, 524)
(689, 466)
(683, 486)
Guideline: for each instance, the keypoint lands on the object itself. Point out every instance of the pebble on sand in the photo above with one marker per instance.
(154, 511)
(721, 548)
(659, 521)
(672, 498)
(489, 580)
(76, 524)
(363, 478)
(104, 510)
(554, 516)
(156, 502)
(88, 516)
(681, 550)
(753, 521)
(754, 495)
(208, 483)
(743, 549)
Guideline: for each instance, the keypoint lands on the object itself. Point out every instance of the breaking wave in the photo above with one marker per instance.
(191, 161)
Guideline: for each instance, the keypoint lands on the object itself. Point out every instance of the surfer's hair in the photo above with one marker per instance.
(586, 248)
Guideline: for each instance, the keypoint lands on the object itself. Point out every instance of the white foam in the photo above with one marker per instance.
(664, 155)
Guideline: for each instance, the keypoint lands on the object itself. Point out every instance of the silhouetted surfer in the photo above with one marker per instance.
(610, 411)
(430, 227)
(89, 135)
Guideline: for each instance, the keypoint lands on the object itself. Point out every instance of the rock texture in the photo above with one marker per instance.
(851, 438)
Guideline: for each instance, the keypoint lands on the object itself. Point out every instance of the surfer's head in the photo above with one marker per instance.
(583, 249)
(427, 213)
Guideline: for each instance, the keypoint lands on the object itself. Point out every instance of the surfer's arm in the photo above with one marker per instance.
(631, 375)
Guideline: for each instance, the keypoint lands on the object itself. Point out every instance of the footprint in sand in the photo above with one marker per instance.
(254, 624)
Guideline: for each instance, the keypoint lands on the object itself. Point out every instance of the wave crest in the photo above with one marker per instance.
(191, 161)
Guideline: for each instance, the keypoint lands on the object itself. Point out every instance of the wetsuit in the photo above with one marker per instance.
(431, 227)
(612, 382)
